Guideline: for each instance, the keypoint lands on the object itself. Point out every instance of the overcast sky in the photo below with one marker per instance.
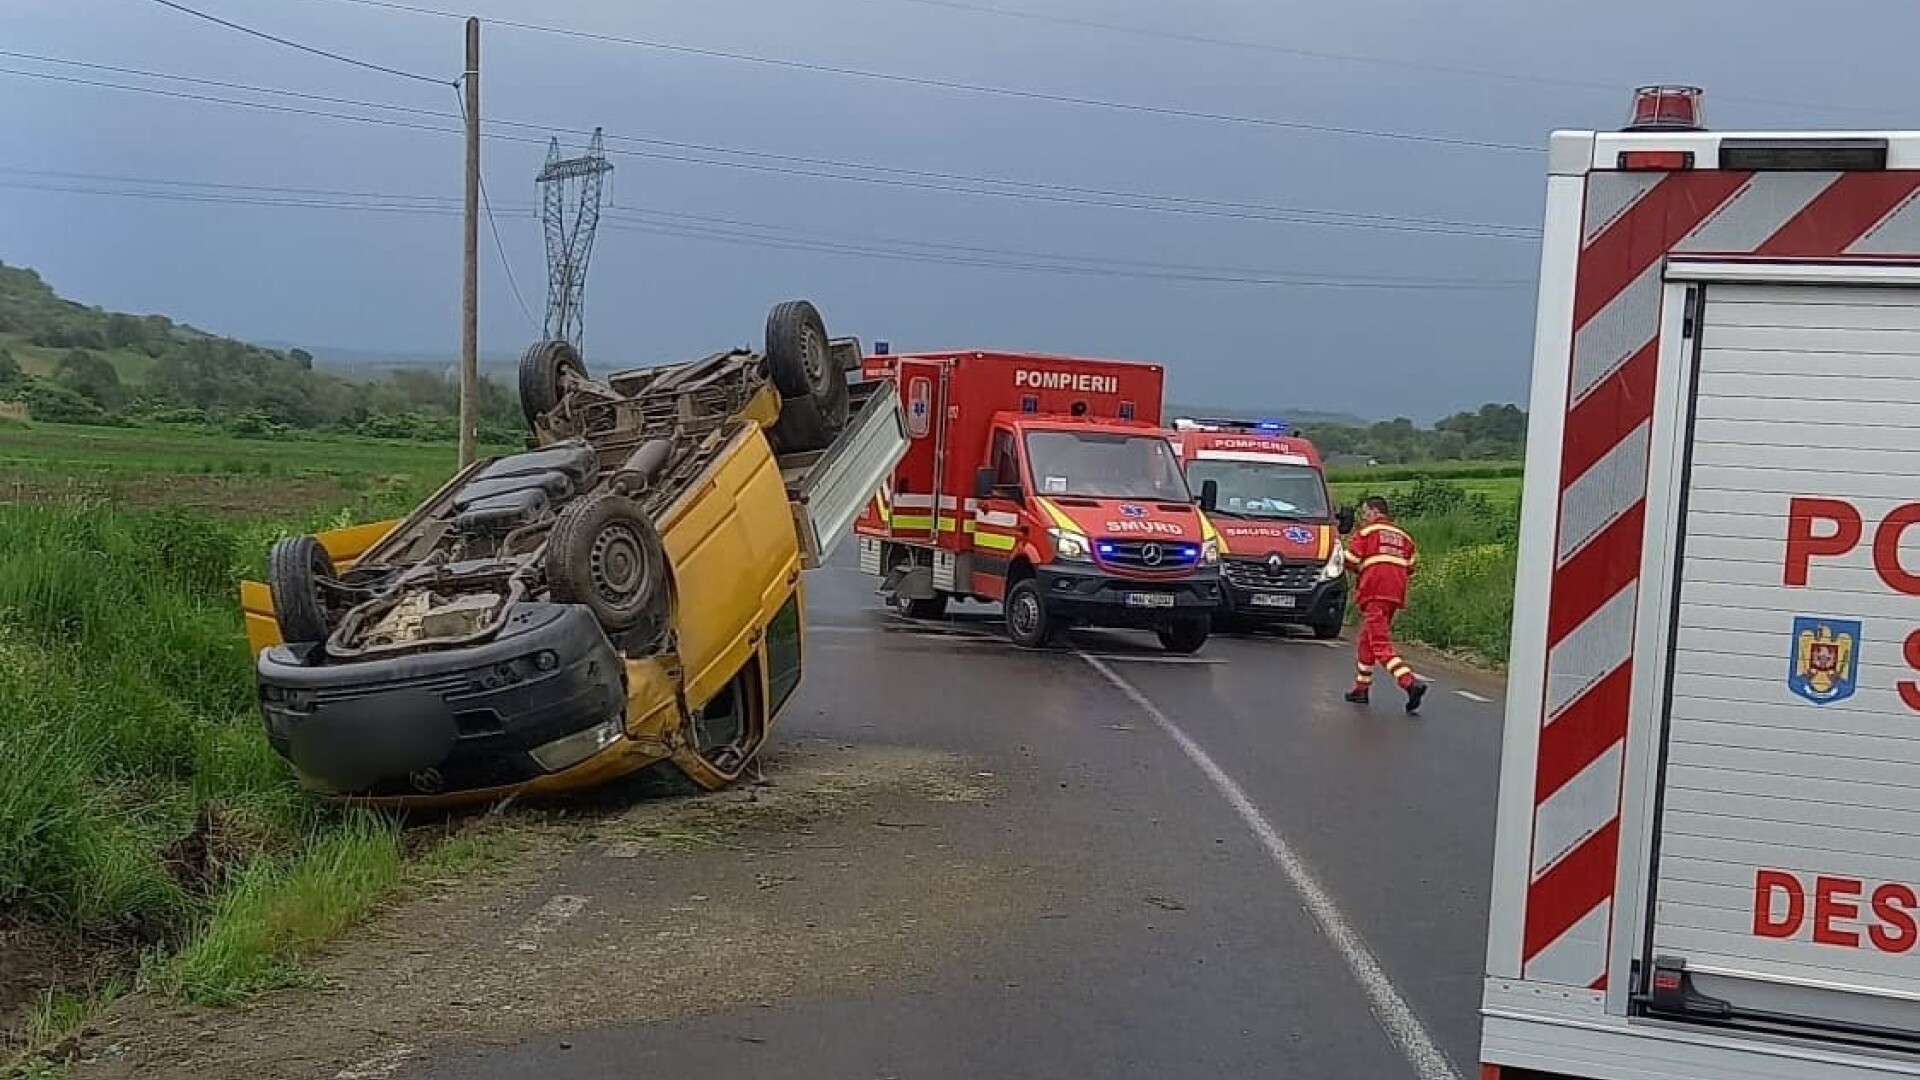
(347, 277)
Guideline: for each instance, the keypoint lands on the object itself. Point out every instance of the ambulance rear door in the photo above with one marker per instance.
(1782, 842)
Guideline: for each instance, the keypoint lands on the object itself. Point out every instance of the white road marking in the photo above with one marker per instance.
(1409, 1035)
(1471, 696)
(548, 919)
(1148, 658)
(378, 1067)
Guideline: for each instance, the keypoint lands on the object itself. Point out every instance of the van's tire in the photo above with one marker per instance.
(1030, 620)
(815, 400)
(542, 370)
(294, 566)
(1327, 630)
(605, 554)
(1185, 636)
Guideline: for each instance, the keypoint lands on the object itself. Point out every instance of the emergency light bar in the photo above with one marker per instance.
(1270, 427)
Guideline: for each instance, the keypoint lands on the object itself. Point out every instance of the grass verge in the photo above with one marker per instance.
(142, 813)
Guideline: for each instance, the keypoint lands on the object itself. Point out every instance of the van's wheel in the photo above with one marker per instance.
(1184, 636)
(544, 369)
(1030, 621)
(605, 554)
(295, 566)
(1326, 630)
(815, 401)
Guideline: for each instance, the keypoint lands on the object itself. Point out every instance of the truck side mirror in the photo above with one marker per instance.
(1209, 495)
(1344, 519)
(983, 478)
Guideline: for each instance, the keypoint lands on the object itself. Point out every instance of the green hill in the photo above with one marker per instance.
(71, 363)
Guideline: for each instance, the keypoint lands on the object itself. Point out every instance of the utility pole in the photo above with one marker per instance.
(470, 285)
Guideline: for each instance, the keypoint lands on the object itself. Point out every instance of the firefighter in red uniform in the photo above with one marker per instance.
(1382, 555)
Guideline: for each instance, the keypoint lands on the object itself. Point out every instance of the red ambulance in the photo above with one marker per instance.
(1707, 858)
(1280, 556)
(1043, 483)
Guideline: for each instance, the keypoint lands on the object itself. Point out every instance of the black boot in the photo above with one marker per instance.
(1415, 694)
(1357, 696)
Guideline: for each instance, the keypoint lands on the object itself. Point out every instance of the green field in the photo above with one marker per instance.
(188, 468)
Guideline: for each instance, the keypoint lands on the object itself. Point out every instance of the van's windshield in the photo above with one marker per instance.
(1104, 465)
(1264, 489)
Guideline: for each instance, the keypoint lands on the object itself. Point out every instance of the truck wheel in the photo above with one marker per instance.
(1185, 636)
(1326, 631)
(543, 370)
(294, 567)
(1029, 621)
(605, 554)
(815, 400)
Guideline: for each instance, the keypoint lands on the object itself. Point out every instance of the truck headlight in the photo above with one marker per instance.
(569, 750)
(1210, 553)
(1070, 546)
(1336, 565)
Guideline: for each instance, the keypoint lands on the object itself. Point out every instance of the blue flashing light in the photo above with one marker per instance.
(1273, 425)
(882, 348)
(1030, 403)
(1126, 410)
(1106, 549)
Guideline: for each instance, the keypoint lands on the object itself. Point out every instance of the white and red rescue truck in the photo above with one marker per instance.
(1280, 555)
(1043, 483)
(1708, 855)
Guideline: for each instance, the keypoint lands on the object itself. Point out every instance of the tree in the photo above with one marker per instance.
(54, 404)
(125, 331)
(92, 377)
(10, 373)
(301, 359)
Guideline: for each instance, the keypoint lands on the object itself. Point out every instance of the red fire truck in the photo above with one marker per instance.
(1280, 555)
(1707, 863)
(1043, 483)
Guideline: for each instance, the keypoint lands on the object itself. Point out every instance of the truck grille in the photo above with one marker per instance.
(1260, 574)
(1148, 556)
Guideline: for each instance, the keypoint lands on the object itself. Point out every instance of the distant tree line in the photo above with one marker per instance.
(1491, 433)
(187, 376)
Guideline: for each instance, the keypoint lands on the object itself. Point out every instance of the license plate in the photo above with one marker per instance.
(1279, 600)
(1150, 599)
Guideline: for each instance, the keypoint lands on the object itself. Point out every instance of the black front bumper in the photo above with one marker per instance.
(1090, 596)
(447, 720)
(1250, 592)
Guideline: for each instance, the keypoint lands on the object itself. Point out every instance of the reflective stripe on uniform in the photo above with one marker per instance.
(1387, 560)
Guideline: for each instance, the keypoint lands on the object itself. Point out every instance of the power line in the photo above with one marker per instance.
(761, 235)
(1343, 57)
(499, 245)
(893, 176)
(969, 249)
(896, 78)
(866, 252)
(263, 35)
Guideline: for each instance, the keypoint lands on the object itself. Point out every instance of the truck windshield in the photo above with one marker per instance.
(1100, 465)
(1262, 489)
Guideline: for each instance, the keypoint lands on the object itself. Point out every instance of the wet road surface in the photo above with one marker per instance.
(1173, 941)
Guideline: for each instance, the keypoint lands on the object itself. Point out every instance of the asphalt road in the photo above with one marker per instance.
(1182, 944)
